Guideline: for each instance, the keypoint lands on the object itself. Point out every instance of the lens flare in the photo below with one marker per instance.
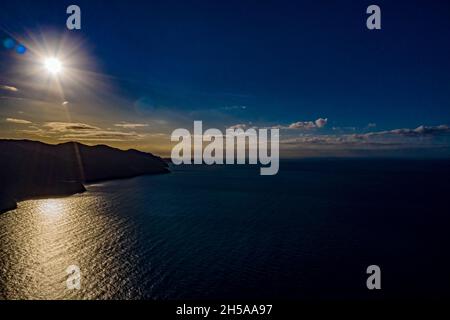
(9, 43)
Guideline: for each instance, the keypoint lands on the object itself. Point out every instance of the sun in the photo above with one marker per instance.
(53, 65)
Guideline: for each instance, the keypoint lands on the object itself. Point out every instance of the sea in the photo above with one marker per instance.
(226, 232)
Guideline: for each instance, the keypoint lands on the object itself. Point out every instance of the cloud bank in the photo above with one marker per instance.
(422, 136)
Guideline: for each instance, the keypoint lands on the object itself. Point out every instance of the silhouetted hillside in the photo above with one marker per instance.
(30, 169)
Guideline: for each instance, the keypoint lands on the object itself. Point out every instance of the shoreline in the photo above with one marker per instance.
(9, 203)
(63, 169)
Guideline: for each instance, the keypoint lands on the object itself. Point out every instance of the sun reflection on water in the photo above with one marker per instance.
(42, 238)
(52, 207)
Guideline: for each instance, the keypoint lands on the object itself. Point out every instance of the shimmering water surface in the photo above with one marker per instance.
(221, 232)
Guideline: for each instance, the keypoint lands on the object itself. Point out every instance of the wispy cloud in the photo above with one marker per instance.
(69, 127)
(305, 125)
(33, 130)
(419, 131)
(422, 136)
(86, 132)
(8, 88)
(235, 107)
(102, 135)
(300, 125)
(127, 125)
(242, 126)
(18, 121)
(308, 125)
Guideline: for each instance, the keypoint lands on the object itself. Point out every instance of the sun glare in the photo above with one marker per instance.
(53, 65)
(51, 207)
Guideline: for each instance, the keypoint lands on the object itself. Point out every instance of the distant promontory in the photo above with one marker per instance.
(30, 169)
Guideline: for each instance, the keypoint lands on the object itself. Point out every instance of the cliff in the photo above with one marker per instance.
(30, 169)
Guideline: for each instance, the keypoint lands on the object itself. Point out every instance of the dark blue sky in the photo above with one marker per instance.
(284, 60)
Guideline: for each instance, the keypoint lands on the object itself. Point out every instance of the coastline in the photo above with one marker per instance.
(8, 203)
(62, 170)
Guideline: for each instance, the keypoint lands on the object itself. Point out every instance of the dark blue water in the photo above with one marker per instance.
(226, 232)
